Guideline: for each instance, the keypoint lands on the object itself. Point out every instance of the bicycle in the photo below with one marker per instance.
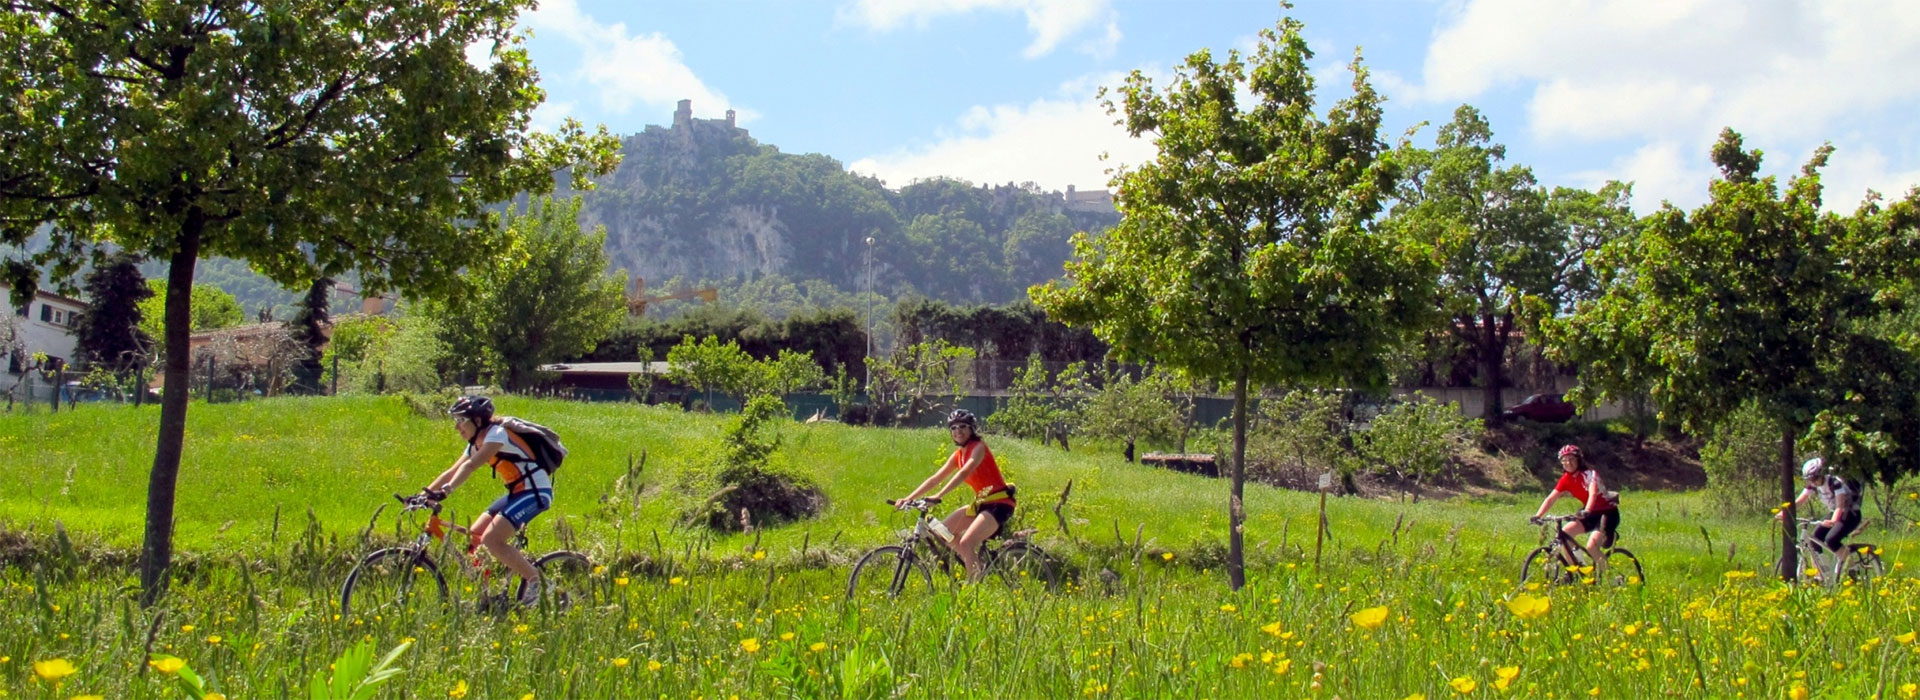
(1862, 565)
(891, 569)
(385, 579)
(1553, 566)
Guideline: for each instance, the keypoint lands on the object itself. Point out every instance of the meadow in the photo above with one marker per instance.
(1407, 599)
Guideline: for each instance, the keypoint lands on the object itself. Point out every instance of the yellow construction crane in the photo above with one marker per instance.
(637, 300)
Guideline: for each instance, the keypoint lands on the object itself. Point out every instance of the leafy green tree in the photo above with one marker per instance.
(213, 309)
(707, 365)
(309, 328)
(1307, 429)
(309, 139)
(1247, 252)
(108, 334)
(1417, 439)
(547, 299)
(1129, 410)
(1024, 411)
(792, 371)
(1497, 236)
(919, 379)
(1755, 298)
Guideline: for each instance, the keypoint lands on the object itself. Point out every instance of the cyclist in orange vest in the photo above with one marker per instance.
(993, 502)
(529, 485)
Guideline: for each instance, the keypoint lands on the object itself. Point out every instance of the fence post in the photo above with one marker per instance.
(335, 391)
(59, 382)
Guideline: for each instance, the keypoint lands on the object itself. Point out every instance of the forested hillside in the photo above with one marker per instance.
(703, 200)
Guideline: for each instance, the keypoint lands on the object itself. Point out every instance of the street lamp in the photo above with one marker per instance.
(869, 323)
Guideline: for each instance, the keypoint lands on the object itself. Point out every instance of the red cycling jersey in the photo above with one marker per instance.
(986, 479)
(1580, 485)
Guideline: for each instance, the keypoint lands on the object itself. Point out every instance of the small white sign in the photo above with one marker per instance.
(1326, 480)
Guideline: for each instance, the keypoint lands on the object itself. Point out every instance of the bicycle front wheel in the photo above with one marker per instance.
(390, 581)
(1623, 568)
(1544, 567)
(886, 572)
(1022, 565)
(567, 578)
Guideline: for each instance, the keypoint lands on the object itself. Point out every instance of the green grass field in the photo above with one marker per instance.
(683, 613)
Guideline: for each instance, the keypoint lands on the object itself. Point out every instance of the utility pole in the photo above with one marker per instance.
(869, 320)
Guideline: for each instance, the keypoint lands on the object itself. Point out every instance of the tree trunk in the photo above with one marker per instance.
(1236, 511)
(1789, 555)
(1129, 450)
(156, 553)
(1492, 356)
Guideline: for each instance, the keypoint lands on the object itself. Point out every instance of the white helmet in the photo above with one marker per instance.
(1814, 467)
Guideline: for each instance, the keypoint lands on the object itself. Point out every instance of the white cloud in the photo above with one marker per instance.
(1856, 168)
(628, 69)
(1681, 68)
(1053, 142)
(1049, 21)
(1660, 172)
(549, 116)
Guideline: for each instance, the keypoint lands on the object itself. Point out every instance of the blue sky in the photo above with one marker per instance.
(998, 91)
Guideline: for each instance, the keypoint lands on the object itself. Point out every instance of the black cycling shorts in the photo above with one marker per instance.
(1831, 538)
(1001, 511)
(1608, 520)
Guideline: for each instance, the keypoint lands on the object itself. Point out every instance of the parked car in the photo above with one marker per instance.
(1544, 408)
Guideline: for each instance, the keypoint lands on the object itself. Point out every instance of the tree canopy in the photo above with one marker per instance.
(1247, 251)
(1755, 298)
(309, 139)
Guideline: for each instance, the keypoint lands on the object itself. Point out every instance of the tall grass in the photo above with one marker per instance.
(682, 613)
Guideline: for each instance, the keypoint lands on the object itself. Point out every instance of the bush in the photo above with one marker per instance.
(747, 490)
(1742, 464)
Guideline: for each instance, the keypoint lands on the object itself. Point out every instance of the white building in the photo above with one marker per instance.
(44, 325)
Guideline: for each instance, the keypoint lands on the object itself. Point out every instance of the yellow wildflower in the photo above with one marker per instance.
(1166, 556)
(620, 662)
(1462, 685)
(654, 665)
(1527, 606)
(817, 646)
(1229, 607)
(620, 581)
(459, 690)
(167, 664)
(1371, 618)
(759, 554)
(1797, 692)
(1904, 638)
(750, 644)
(53, 670)
(676, 581)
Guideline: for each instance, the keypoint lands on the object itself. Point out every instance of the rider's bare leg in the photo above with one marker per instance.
(497, 534)
(1594, 540)
(1573, 530)
(983, 527)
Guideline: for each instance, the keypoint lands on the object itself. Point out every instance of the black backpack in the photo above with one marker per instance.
(541, 442)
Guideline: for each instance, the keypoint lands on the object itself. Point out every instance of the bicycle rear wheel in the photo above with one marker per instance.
(1623, 568)
(886, 572)
(1543, 566)
(567, 578)
(1864, 564)
(1022, 565)
(391, 581)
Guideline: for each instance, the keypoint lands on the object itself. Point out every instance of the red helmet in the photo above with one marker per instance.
(1570, 450)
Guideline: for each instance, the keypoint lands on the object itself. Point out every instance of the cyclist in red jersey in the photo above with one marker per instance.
(1599, 512)
(993, 502)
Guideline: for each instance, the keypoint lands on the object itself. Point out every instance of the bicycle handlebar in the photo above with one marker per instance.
(418, 502)
(920, 504)
(1555, 519)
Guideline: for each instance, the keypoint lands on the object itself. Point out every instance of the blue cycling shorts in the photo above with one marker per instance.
(520, 508)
